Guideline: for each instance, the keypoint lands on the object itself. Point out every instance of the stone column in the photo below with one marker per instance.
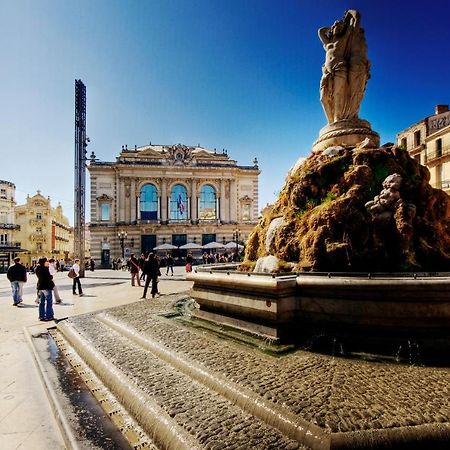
(194, 210)
(133, 200)
(164, 200)
(121, 205)
(222, 214)
(233, 201)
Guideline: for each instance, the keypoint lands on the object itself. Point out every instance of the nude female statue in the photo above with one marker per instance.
(346, 68)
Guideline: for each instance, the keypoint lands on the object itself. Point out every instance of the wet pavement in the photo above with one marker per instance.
(360, 404)
(26, 418)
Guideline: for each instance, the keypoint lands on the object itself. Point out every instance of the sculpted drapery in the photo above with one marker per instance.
(346, 68)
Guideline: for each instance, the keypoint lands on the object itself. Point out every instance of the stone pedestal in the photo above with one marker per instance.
(346, 132)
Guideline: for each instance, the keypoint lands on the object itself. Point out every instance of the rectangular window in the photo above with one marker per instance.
(403, 143)
(104, 212)
(38, 216)
(3, 193)
(416, 138)
(179, 239)
(207, 238)
(438, 148)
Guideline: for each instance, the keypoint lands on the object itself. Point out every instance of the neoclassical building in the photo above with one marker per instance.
(8, 227)
(44, 230)
(176, 195)
(428, 141)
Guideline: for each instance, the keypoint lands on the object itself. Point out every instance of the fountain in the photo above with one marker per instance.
(222, 378)
(357, 243)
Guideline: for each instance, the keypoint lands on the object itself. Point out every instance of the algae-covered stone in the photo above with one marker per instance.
(320, 222)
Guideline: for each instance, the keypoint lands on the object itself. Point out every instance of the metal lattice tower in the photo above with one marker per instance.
(80, 171)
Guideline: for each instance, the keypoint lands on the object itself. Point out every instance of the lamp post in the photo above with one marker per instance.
(236, 235)
(122, 235)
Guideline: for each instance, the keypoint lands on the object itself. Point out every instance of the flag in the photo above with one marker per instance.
(180, 205)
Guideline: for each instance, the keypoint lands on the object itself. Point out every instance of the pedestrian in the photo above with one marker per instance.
(134, 269)
(189, 261)
(76, 279)
(92, 265)
(17, 275)
(53, 268)
(169, 263)
(151, 269)
(45, 287)
(141, 263)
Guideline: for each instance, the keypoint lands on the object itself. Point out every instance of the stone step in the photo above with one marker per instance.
(171, 404)
(311, 400)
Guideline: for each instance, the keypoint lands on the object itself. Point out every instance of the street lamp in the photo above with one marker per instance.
(122, 235)
(236, 234)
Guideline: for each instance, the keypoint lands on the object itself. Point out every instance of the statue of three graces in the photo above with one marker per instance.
(346, 68)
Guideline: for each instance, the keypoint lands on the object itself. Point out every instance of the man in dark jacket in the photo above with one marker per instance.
(151, 269)
(45, 287)
(17, 275)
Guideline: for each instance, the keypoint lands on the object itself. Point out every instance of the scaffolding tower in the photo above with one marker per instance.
(81, 141)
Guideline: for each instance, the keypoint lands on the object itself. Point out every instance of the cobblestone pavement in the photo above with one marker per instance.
(213, 421)
(336, 394)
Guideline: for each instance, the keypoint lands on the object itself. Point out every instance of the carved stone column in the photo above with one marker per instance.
(194, 212)
(121, 206)
(127, 205)
(233, 201)
(222, 213)
(164, 200)
(133, 200)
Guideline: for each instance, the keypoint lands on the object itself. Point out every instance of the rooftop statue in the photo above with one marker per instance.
(346, 68)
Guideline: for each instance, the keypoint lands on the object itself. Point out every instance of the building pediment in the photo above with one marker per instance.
(149, 151)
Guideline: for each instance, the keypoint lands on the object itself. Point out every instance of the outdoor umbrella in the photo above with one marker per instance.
(165, 247)
(232, 245)
(191, 246)
(213, 245)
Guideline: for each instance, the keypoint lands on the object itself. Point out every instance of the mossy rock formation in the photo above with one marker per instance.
(323, 224)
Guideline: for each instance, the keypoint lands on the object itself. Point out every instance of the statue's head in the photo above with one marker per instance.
(338, 27)
(393, 182)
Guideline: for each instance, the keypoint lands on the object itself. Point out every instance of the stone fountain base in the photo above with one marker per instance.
(369, 309)
(191, 389)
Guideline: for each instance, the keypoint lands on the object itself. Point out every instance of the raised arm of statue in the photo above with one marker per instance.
(353, 18)
(324, 33)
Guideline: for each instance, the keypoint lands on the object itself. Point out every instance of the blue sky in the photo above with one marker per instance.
(236, 74)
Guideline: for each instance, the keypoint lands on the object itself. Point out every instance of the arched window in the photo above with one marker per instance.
(179, 203)
(208, 203)
(148, 201)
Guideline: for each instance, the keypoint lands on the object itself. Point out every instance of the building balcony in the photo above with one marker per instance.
(9, 245)
(433, 157)
(9, 226)
(38, 222)
(38, 237)
(415, 149)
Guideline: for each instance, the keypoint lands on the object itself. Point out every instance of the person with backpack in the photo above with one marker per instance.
(17, 275)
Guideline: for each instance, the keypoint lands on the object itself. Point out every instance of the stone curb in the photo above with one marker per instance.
(65, 429)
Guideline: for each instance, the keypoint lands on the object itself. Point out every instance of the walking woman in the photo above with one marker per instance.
(152, 272)
(45, 287)
(76, 280)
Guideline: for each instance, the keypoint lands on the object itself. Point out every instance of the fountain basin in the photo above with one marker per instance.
(380, 306)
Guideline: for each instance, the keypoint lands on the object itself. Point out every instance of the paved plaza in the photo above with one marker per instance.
(215, 392)
(26, 419)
